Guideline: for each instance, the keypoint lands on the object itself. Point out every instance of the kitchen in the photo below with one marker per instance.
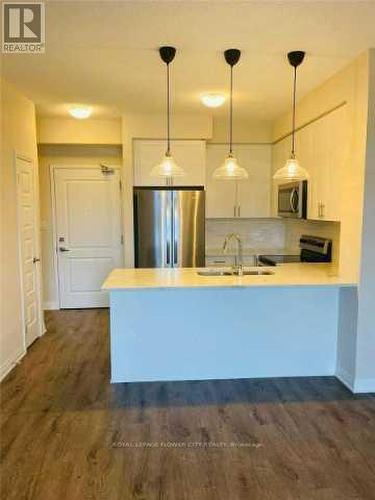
(170, 212)
(187, 252)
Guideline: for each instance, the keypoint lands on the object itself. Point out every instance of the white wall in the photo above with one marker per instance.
(72, 131)
(18, 135)
(74, 155)
(244, 131)
(365, 357)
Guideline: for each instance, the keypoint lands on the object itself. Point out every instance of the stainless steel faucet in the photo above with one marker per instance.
(238, 266)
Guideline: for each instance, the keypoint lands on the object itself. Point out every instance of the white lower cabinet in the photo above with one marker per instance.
(189, 154)
(248, 198)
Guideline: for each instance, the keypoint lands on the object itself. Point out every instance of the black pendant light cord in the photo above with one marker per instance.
(168, 113)
(231, 113)
(294, 114)
(232, 57)
(167, 54)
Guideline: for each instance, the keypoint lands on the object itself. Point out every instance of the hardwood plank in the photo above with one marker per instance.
(69, 434)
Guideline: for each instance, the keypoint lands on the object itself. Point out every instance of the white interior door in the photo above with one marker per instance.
(29, 258)
(88, 233)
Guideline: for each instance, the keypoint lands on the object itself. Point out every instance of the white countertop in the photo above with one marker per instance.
(301, 274)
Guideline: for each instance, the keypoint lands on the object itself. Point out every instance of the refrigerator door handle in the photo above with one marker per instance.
(168, 253)
(175, 253)
(175, 227)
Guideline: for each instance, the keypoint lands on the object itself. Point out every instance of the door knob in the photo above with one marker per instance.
(35, 259)
(63, 249)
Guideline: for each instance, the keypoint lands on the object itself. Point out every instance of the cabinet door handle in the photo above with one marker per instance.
(239, 210)
(321, 207)
(234, 210)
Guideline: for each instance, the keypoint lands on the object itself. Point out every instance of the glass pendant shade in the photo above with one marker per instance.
(167, 168)
(292, 171)
(230, 170)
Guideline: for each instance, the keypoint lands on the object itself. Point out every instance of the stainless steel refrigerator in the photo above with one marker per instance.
(169, 226)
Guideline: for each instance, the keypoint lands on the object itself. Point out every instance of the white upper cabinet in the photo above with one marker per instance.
(248, 198)
(321, 149)
(328, 149)
(190, 155)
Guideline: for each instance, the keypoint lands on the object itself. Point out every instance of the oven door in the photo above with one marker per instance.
(292, 200)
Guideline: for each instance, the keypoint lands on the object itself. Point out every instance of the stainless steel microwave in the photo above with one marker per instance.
(292, 200)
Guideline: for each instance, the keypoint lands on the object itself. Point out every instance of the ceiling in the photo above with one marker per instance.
(105, 53)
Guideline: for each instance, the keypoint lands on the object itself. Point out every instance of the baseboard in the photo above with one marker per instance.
(346, 379)
(359, 386)
(10, 364)
(364, 385)
(50, 306)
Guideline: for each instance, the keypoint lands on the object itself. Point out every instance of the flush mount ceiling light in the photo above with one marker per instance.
(292, 171)
(80, 112)
(213, 100)
(230, 169)
(167, 168)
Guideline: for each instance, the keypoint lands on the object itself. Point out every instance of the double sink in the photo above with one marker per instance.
(218, 272)
(237, 270)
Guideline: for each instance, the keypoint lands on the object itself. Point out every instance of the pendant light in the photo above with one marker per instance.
(292, 171)
(230, 169)
(167, 168)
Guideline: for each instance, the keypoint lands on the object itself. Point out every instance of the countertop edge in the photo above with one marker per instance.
(221, 286)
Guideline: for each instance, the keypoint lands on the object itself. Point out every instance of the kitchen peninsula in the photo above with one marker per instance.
(175, 324)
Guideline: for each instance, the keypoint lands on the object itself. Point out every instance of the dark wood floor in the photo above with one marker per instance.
(68, 434)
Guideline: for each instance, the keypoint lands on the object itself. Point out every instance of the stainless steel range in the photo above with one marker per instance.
(313, 249)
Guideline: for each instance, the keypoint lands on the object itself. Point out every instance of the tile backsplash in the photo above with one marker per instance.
(270, 234)
(255, 233)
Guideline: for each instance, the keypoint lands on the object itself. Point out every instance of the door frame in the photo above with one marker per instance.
(52, 169)
(38, 249)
